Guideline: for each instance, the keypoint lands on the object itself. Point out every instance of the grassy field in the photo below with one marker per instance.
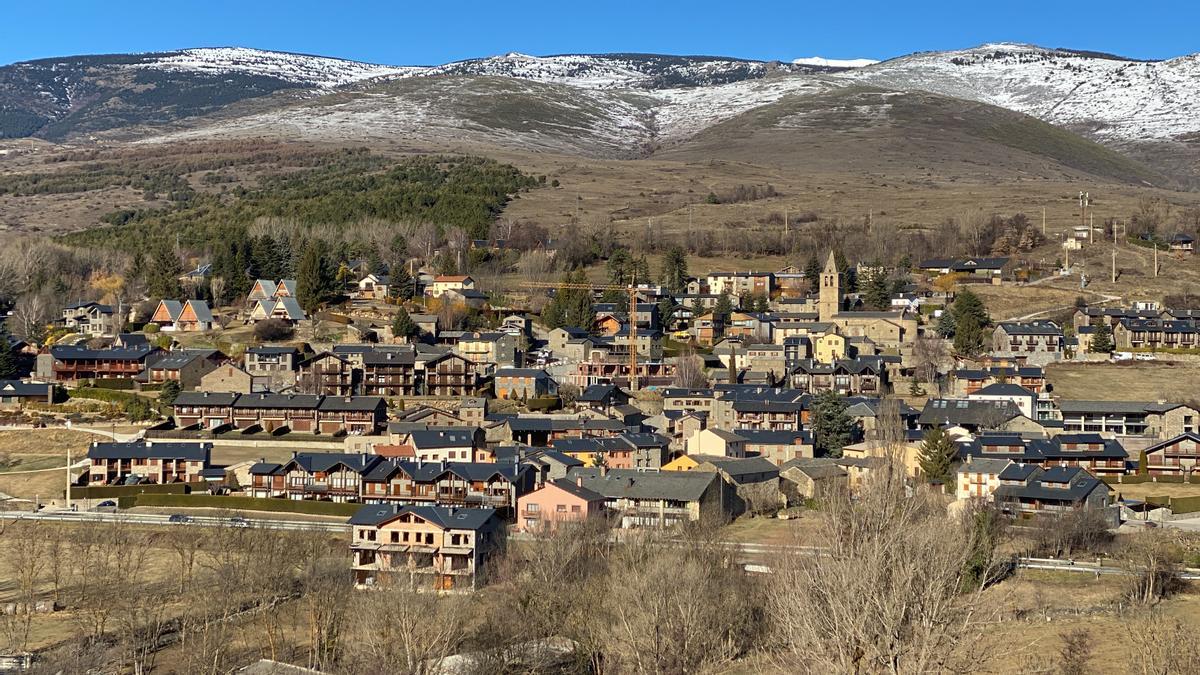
(1136, 381)
(1143, 490)
(40, 449)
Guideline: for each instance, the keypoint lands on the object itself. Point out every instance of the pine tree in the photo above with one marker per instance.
(619, 267)
(831, 426)
(1102, 342)
(937, 456)
(970, 318)
(162, 278)
(724, 306)
(969, 304)
(945, 325)
(849, 279)
(812, 272)
(698, 308)
(403, 325)
(169, 392)
(402, 285)
(666, 312)
(314, 278)
(8, 360)
(878, 293)
(675, 272)
(761, 304)
(968, 335)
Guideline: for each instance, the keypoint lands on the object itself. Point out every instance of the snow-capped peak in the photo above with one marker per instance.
(833, 63)
(312, 71)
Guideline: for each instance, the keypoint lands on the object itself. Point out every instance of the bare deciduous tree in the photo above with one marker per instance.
(1162, 645)
(689, 371)
(886, 597)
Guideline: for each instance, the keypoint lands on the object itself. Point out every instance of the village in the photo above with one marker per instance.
(704, 398)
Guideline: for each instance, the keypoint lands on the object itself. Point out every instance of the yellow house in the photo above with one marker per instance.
(681, 463)
(716, 442)
(829, 347)
(908, 453)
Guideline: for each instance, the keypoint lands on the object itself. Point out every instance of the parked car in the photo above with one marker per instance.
(179, 518)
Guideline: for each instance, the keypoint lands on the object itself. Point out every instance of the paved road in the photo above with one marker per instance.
(157, 519)
(754, 556)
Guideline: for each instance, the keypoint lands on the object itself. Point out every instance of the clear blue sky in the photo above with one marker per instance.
(407, 33)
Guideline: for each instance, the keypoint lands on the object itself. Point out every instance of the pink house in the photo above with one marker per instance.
(557, 501)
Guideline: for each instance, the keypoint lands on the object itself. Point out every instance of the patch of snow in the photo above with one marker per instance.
(834, 63)
(310, 71)
(1111, 99)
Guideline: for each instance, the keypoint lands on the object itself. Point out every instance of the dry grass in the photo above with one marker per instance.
(804, 530)
(1136, 381)
(40, 449)
(226, 455)
(1143, 490)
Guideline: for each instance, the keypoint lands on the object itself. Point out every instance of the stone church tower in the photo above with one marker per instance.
(829, 303)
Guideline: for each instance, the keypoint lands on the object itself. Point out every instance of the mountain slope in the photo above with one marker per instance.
(1110, 98)
(910, 134)
(63, 97)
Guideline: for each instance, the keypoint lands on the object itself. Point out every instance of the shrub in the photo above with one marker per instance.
(245, 504)
(272, 329)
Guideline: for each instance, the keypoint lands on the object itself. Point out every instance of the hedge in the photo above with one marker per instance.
(1170, 479)
(1127, 480)
(1185, 504)
(544, 403)
(106, 395)
(110, 491)
(243, 504)
(122, 383)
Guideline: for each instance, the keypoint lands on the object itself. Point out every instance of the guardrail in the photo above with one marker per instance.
(157, 519)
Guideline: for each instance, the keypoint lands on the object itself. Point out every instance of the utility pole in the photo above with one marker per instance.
(68, 479)
(1114, 262)
(1155, 244)
(785, 221)
(1091, 227)
(1043, 221)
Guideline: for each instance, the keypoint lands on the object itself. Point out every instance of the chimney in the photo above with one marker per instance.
(603, 471)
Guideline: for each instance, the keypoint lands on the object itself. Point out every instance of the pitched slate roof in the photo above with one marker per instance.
(23, 389)
(773, 437)
(682, 486)
(442, 437)
(144, 450)
(201, 309)
(973, 412)
(574, 489)
(71, 352)
(351, 403)
(278, 401)
(1079, 483)
(205, 398)
(739, 467)
(180, 358)
(1038, 449)
(975, 464)
(1031, 328)
(1004, 389)
(444, 517)
(816, 468)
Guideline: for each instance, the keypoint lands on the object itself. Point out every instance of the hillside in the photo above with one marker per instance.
(907, 134)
